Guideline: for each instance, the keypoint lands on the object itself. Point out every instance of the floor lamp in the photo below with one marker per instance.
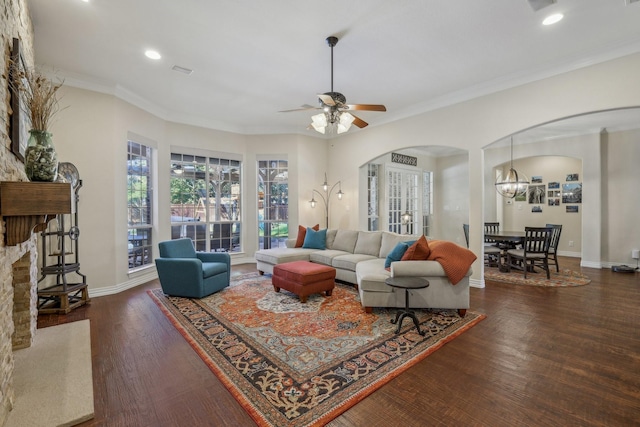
(326, 197)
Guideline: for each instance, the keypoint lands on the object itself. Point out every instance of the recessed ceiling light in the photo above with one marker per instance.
(152, 54)
(552, 19)
(86, 1)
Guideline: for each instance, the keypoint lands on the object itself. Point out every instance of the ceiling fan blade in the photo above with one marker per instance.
(366, 107)
(326, 99)
(302, 108)
(359, 122)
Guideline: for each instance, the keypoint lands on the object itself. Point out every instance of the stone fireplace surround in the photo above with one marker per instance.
(18, 264)
(18, 311)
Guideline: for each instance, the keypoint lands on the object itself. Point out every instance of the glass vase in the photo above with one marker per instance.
(40, 157)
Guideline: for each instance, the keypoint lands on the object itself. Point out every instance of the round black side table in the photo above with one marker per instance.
(407, 283)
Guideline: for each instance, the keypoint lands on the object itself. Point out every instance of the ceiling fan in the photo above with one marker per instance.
(336, 110)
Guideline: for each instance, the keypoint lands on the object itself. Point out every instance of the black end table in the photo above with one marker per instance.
(407, 283)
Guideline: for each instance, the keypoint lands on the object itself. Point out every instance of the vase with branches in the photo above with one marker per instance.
(39, 100)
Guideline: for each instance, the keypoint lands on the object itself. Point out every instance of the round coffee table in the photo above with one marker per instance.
(407, 283)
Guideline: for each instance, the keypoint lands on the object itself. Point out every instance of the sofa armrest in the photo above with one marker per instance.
(179, 270)
(214, 257)
(416, 268)
(290, 243)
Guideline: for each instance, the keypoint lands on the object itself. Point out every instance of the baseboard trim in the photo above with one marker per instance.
(143, 277)
(476, 283)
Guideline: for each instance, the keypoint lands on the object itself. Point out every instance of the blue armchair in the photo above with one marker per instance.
(183, 272)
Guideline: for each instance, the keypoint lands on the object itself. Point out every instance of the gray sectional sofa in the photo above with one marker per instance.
(359, 258)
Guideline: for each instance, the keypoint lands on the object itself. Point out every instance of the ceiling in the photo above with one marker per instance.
(251, 59)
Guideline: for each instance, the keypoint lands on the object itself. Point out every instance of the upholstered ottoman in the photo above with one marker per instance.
(304, 278)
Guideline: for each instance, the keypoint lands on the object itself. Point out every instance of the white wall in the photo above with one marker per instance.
(620, 201)
(92, 135)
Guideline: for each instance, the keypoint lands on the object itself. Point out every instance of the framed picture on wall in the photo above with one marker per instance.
(536, 209)
(572, 193)
(19, 123)
(554, 201)
(553, 193)
(553, 185)
(536, 194)
(536, 179)
(572, 177)
(572, 209)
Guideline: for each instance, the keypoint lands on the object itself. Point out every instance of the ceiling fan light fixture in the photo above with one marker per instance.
(345, 122)
(319, 122)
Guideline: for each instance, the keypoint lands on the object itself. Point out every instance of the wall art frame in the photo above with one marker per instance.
(20, 121)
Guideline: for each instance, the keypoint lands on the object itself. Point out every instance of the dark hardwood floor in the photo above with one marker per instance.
(542, 357)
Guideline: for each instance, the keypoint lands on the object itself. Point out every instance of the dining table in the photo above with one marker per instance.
(505, 239)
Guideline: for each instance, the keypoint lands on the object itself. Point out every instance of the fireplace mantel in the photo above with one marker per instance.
(28, 206)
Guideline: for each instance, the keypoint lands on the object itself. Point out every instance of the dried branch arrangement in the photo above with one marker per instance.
(38, 95)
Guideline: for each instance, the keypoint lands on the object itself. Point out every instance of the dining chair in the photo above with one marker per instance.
(491, 228)
(534, 252)
(465, 229)
(553, 246)
(492, 252)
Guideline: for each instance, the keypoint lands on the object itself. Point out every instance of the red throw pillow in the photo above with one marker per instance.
(419, 251)
(302, 232)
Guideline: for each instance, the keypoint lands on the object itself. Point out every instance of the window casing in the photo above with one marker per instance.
(139, 204)
(373, 185)
(273, 203)
(206, 201)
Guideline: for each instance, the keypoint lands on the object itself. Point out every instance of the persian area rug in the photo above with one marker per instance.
(565, 278)
(293, 364)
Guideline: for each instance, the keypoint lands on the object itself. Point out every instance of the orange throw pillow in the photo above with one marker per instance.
(419, 251)
(302, 232)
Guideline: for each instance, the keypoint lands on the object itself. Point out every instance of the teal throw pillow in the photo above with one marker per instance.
(315, 239)
(396, 253)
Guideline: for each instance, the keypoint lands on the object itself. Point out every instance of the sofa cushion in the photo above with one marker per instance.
(331, 236)
(280, 255)
(349, 261)
(418, 251)
(397, 253)
(368, 243)
(314, 239)
(302, 232)
(325, 257)
(390, 240)
(345, 240)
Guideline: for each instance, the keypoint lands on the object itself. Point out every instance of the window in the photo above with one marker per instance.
(205, 201)
(139, 203)
(273, 203)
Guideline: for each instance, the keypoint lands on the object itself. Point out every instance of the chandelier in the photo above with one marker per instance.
(513, 184)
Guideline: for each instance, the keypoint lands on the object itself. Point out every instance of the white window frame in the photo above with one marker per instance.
(140, 235)
(278, 225)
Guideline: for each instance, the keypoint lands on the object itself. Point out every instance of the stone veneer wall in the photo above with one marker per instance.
(15, 22)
